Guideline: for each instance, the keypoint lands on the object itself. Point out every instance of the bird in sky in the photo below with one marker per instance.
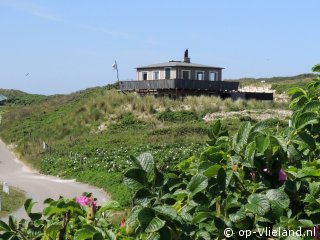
(27, 74)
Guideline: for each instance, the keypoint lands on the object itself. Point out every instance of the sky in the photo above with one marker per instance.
(58, 46)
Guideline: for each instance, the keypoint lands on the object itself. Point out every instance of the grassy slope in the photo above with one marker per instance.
(103, 127)
(11, 202)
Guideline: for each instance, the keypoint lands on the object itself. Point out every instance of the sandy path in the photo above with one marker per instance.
(37, 186)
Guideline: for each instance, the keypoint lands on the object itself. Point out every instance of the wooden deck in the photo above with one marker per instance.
(179, 84)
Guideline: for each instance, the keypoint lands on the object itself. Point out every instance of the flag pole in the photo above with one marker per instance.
(117, 70)
(115, 66)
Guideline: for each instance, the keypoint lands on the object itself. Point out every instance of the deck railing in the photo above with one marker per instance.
(178, 84)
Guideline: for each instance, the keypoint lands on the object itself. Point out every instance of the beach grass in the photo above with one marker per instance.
(11, 202)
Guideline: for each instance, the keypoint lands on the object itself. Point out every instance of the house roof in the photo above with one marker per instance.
(3, 98)
(177, 64)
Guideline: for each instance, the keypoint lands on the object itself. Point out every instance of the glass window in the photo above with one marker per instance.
(167, 73)
(213, 76)
(156, 75)
(200, 76)
(145, 76)
(185, 74)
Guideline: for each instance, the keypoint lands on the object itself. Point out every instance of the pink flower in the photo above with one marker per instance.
(93, 205)
(86, 201)
(253, 175)
(282, 176)
(83, 201)
(123, 222)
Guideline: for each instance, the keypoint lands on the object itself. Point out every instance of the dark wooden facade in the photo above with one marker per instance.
(179, 84)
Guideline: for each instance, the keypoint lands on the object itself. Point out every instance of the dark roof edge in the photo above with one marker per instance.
(164, 65)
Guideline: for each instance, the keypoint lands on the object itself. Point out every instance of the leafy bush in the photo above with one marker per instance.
(177, 116)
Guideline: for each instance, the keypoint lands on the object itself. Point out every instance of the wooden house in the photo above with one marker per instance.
(179, 78)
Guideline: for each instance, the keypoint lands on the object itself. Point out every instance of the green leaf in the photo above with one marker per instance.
(262, 142)
(258, 204)
(87, 232)
(214, 131)
(111, 235)
(250, 153)
(54, 228)
(132, 221)
(51, 210)
(197, 183)
(4, 226)
(316, 68)
(112, 205)
(314, 188)
(305, 119)
(241, 137)
(277, 140)
(12, 223)
(202, 216)
(145, 216)
(28, 205)
(278, 197)
(203, 235)
(146, 162)
(297, 92)
(142, 196)
(166, 211)
(308, 172)
(261, 126)
(155, 225)
(238, 216)
(135, 178)
(308, 139)
(312, 106)
(212, 171)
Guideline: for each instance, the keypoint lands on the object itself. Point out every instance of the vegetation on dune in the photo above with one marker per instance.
(16, 97)
(11, 202)
(78, 127)
(260, 177)
(279, 84)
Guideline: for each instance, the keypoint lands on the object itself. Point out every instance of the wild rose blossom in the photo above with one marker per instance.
(123, 223)
(83, 201)
(282, 176)
(86, 201)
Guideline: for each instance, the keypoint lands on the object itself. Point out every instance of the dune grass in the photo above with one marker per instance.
(11, 202)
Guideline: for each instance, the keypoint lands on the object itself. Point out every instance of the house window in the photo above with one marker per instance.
(186, 74)
(144, 76)
(167, 73)
(200, 75)
(156, 75)
(213, 76)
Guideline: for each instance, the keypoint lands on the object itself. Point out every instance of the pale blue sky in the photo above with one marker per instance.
(68, 45)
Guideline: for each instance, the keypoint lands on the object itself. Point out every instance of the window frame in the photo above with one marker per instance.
(189, 73)
(165, 76)
(216, 75)
(202, 75)
(153, 74)
(144, 73)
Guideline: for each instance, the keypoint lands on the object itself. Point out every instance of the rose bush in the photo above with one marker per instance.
(258, 178)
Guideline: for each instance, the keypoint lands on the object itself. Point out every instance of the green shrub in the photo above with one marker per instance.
(177, 116)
